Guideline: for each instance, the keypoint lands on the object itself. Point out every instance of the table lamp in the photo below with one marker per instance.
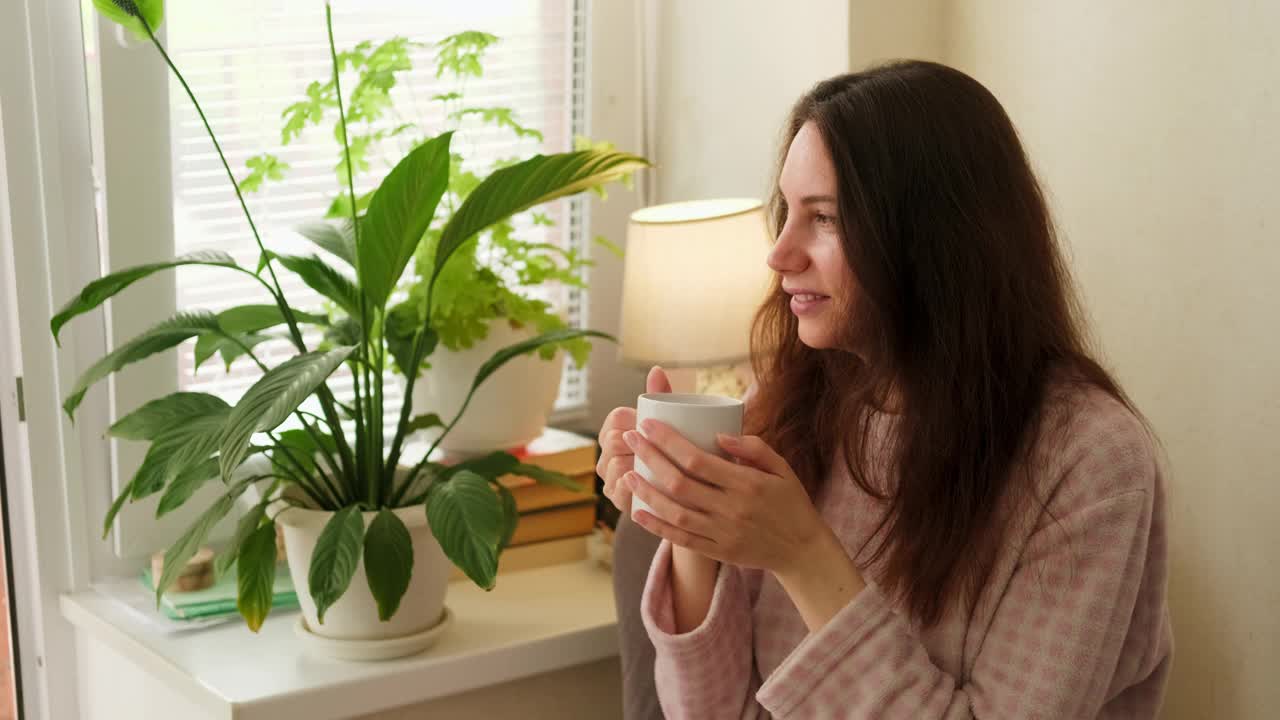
(694, 277)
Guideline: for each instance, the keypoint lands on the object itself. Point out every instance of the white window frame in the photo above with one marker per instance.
(46, 146)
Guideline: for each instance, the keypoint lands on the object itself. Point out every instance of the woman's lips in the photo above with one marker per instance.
(808, 303)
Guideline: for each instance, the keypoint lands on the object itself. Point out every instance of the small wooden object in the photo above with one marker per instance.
(196, 575)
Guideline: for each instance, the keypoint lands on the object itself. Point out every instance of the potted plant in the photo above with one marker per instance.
(485, 295)
(366, 535)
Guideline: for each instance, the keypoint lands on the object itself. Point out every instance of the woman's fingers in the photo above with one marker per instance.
(614, 489)
(693, 522)
(657, 381)
(675, 483)
(611, 443)
(615, 457)
(690, 458)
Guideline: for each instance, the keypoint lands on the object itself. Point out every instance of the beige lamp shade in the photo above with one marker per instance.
(695, 274)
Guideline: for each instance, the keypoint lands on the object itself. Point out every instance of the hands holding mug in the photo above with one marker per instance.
(735, 500)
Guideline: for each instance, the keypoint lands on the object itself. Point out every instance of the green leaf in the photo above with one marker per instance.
(184, 444)
(262, 168)
(524, 185)
(240, 326)
(460, 53)
(466, 517)
(340, 208)
(510, 515)
(422, 348)
(116, 505)
(100, 290)
(490, 467)
(425, 422)
(416, 493)
(270, 400)
(546, 477)
(333, 563)
(176, 557)
(609, 245)
(388, 561)
(185, 485)
(500, 117)
(256, 576)
(399, 214)
(324, 279)
(307, 112)
(230, 347)
(131, 13)
(506, 354)
(338, 241)
(163, 336)
(402, 332)
(303, 447)
(253, 318)
(345, 331)
(162, 414)
(188, 445)
(244, 528)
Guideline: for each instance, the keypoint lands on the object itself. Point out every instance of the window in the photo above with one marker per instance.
(247, 60)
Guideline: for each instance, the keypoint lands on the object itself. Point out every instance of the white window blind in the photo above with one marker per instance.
(247, 60)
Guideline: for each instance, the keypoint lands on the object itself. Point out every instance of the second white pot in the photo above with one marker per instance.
(509, 410)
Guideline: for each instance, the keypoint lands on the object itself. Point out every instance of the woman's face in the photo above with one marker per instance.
(809, 253)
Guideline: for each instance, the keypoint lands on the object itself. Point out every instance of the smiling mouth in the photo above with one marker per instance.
(808, 303)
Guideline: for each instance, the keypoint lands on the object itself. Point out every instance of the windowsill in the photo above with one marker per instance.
(535, 621)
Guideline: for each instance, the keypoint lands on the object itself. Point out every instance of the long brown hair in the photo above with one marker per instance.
(964, 311)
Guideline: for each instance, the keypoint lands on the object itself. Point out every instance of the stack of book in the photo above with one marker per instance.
(219, 600)
(554, 521)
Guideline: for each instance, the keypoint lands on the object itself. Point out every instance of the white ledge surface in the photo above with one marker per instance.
(535, 621)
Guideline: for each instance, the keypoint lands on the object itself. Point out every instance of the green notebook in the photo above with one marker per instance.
(220, 599)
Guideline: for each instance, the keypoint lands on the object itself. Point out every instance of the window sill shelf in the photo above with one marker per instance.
(534, 622)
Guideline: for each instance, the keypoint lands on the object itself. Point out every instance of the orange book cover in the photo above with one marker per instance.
(553, 523)
(531, 495)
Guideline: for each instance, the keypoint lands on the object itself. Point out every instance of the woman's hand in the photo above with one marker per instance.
(616, 458)
(752, 513)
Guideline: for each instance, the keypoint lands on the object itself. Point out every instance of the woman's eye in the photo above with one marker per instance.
(823, 219)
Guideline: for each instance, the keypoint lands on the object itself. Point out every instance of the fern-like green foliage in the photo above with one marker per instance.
(492, 278)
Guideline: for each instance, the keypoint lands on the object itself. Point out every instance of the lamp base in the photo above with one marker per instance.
(720, 380)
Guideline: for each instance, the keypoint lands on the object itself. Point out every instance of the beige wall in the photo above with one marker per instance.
(880, 31)
(1156, 127)
(728, 72)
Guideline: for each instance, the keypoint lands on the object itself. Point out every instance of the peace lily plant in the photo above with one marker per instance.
(196, 438)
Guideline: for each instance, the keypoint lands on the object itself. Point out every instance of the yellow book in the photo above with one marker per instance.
(531, 495)
(553, 523)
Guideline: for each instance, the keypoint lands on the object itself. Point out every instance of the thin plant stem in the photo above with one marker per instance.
(370, 455)
(323, 393)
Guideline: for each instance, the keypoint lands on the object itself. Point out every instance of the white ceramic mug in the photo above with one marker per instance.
(699, 418)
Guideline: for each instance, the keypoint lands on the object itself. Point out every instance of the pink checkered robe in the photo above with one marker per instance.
(1073, 622)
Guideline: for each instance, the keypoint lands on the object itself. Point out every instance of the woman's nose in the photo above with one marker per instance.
(786, 255)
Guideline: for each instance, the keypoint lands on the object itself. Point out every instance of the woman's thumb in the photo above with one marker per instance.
(657, 382)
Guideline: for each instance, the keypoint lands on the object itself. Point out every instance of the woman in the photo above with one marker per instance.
(945, 507)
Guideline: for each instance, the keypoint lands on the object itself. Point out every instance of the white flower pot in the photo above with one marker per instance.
(511, 407)
(355, 615)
